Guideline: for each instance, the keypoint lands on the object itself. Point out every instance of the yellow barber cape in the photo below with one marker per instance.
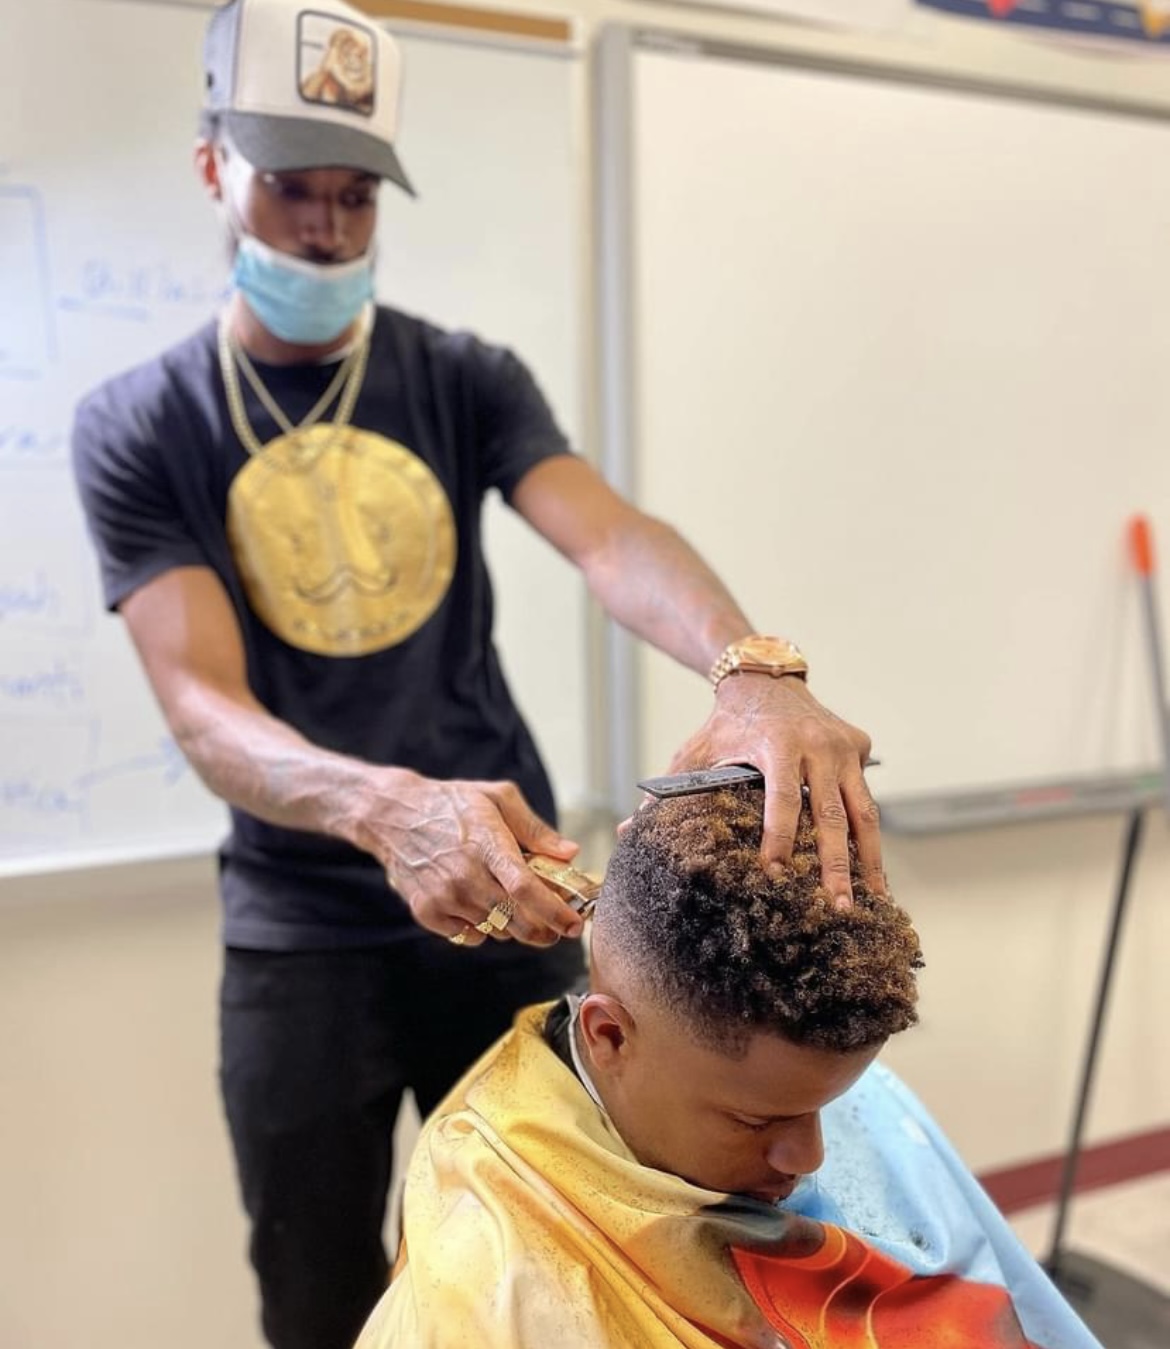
(529, 1225)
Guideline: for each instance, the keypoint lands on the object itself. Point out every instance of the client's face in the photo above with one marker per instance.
(747, 1125)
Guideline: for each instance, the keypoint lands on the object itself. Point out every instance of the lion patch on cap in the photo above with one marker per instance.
(344, 73)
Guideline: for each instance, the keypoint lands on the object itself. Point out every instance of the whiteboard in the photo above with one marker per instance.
(899, 367)
(109, 251)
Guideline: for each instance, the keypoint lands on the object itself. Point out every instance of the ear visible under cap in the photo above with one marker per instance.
(207, 166)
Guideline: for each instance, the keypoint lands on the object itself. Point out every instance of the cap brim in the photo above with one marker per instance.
(282, 144)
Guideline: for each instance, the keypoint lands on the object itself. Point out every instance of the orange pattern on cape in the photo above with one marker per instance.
(851, 1296)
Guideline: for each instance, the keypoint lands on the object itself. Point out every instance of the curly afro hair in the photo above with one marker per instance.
(690, 913)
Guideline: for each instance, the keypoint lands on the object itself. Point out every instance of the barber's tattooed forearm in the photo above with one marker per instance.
(263, 766)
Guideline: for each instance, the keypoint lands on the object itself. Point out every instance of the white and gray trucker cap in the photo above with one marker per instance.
(299, 87)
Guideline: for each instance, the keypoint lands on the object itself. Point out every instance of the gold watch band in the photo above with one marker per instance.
(758, 654)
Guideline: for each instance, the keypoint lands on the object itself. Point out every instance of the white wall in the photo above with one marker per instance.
(1013, 923)
(119, 1225)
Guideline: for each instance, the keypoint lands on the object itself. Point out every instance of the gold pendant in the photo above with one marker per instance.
(344, 539)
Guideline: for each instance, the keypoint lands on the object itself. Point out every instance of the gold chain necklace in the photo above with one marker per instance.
(348, 379)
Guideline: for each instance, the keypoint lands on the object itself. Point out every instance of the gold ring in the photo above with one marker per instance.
(498, 918)
(460, 938)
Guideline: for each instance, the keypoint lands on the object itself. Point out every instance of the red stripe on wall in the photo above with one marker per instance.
(1038, 1182)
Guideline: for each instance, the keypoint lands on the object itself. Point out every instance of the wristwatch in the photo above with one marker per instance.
(773, 656)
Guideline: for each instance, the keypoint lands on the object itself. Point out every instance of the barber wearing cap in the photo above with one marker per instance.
(286, 507)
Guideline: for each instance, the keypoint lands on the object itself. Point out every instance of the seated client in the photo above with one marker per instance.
(700, 1151)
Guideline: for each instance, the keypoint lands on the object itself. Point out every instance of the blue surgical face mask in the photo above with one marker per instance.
(299, 301)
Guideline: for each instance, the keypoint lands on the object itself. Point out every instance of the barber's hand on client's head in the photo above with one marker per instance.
(778, 726)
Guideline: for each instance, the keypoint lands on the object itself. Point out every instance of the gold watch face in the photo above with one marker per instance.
(770, 652)
(345, 540)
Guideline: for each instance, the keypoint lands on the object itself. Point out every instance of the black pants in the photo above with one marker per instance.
(317, 1049)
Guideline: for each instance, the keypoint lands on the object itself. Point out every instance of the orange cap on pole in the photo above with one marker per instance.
(1141, 545)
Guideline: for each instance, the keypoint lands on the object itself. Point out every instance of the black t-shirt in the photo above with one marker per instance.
(155, 456)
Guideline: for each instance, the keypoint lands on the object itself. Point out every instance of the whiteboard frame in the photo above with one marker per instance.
(615, 227)
(555, 33)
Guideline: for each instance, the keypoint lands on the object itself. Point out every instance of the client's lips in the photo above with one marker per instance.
(773, 1194)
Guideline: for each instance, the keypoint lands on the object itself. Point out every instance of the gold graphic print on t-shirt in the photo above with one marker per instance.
(345, 540)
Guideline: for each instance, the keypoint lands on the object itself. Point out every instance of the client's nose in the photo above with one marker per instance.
(799, 1148)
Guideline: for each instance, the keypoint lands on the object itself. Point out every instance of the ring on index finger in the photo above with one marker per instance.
(498, 918)
(460, 938)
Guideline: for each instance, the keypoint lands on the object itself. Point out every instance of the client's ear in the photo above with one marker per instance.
(608, 1029)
